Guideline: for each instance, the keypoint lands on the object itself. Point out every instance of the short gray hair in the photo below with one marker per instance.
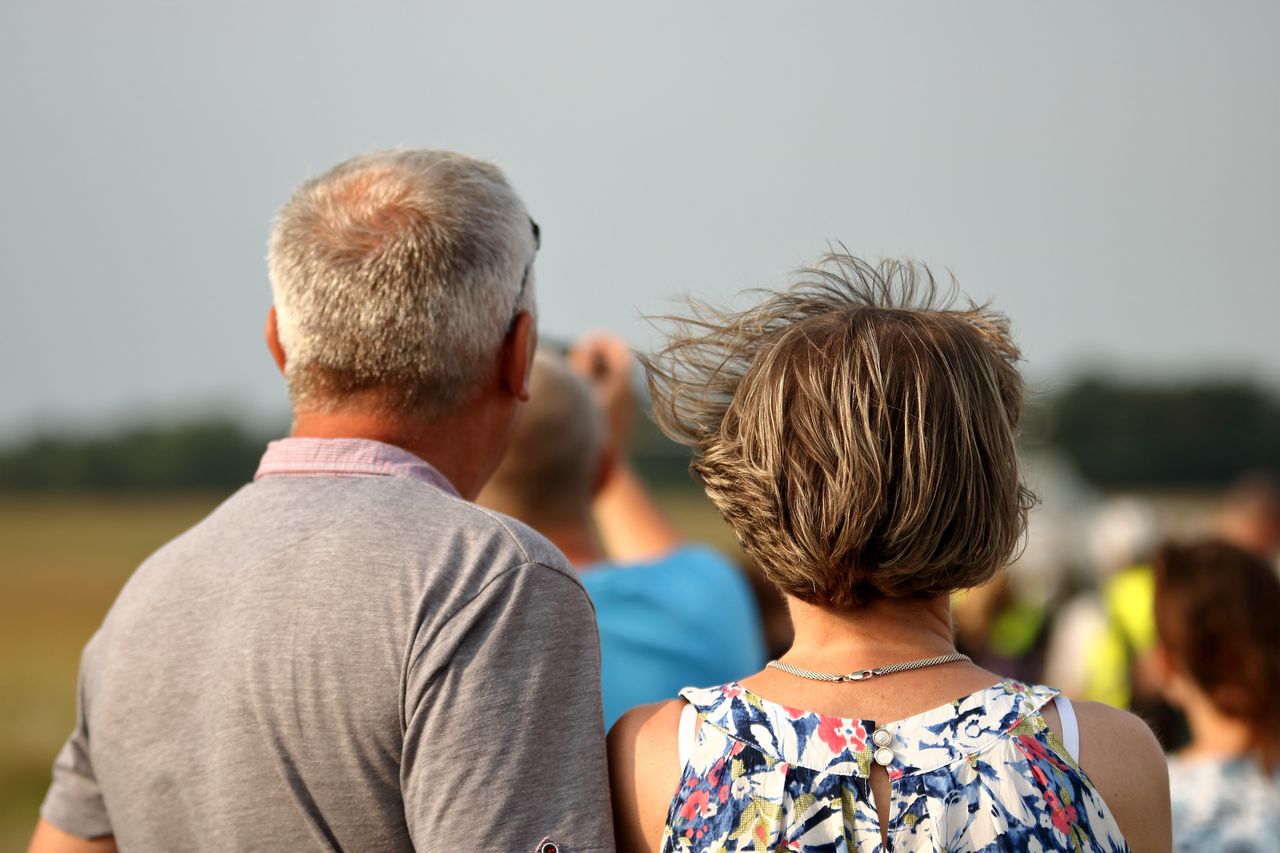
(399, 272)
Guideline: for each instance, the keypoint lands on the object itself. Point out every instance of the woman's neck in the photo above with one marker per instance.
(885, 631)
(1213, 734)
(882, 632)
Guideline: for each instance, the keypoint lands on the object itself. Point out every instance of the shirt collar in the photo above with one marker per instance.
(346, 457)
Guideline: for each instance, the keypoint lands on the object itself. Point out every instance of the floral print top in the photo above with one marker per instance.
(984, 772)
(1230, 805)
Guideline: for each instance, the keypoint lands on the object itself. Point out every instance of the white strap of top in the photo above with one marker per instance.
(688, 722)
(1070, 728)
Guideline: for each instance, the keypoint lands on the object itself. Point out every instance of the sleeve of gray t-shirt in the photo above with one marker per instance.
(74, 802)
(503, 702)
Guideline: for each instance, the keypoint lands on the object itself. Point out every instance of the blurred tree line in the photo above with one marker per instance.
(1125, 434)
(1117, 433)
(214, 453)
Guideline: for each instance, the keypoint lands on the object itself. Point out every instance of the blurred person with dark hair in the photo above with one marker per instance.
(348, 654)
(566, 475)
(1216, 609)
(859, 432)
(1250, 515)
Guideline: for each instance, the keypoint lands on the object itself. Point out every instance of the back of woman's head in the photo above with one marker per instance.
(857, 430)
(1216, 615)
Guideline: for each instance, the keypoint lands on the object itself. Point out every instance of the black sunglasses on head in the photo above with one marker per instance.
(524, 280)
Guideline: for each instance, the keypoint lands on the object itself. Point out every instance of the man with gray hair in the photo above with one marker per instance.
(348, 654)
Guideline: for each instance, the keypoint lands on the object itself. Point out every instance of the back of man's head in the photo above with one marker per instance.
(553, 465)
(396, 276)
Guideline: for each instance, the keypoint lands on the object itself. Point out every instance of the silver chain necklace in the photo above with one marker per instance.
(863, 675)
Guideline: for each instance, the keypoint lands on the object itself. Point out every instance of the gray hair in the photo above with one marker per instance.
(399, 272)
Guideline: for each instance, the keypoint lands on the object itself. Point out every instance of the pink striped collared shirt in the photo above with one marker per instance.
(346, 457)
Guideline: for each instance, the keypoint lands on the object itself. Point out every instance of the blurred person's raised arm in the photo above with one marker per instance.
(631, 525)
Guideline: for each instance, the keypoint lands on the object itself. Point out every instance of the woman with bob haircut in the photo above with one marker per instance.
(1218, 656)
(858, 431)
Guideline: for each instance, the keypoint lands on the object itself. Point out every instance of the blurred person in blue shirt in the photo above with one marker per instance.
(671, 613)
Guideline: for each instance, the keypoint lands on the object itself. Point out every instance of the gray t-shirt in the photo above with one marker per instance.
(342, 662)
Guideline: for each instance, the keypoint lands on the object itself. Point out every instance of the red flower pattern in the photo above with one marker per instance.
(1038, 751)
(695, 805)
(841, 734)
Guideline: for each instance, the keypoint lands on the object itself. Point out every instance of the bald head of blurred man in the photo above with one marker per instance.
(557, 460)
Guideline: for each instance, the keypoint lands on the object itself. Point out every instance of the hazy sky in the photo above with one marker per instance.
(1107, 173)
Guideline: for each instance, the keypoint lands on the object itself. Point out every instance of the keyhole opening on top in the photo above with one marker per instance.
(881, 798)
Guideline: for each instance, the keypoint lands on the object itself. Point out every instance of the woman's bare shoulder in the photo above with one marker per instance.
(1124, 761)
(644, 772)
(650, 721)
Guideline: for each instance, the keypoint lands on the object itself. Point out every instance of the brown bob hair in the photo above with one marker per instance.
(856, 430)
(1216, 608)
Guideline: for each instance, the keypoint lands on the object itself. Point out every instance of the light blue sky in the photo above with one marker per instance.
(1107, 173)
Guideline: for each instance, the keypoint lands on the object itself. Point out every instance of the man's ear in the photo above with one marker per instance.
(272, 334)
(517, 356)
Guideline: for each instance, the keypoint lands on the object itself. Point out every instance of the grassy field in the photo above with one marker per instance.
(62, 563)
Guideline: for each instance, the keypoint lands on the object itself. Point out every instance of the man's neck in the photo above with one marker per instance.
(575, 538)
(578, 542)
(455, 445)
